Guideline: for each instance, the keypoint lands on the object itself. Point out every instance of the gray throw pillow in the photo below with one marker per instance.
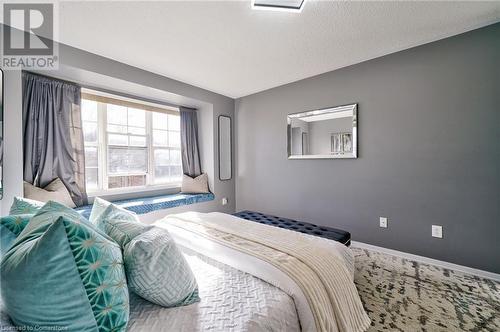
(156, 269)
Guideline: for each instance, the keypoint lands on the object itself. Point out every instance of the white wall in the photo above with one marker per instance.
(13, 152)
(206, 133)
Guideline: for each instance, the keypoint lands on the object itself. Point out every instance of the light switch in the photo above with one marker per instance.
(437, 231)
(383, 222)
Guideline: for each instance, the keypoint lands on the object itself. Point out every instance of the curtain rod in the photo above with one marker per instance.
(50, 77)
(104, 90)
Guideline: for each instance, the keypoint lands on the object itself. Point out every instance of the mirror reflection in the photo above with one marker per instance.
(325, 133)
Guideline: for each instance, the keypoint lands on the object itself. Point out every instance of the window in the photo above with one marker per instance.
(129, 144)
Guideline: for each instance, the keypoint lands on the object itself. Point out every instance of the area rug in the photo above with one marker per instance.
(404, 295)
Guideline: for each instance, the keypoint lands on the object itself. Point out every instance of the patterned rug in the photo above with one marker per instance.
(404, 295)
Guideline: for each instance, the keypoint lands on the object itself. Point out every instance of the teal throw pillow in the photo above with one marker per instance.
(25, 206)
(10, 228)
(62, 272)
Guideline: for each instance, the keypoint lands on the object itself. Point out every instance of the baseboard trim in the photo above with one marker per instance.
(427, 260)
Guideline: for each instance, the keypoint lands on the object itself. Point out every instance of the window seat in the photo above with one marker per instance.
(149, 204)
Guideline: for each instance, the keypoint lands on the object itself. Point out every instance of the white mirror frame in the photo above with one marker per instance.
(350, 155)
(225, 148)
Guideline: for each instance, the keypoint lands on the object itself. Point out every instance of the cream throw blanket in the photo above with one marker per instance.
(321, 274)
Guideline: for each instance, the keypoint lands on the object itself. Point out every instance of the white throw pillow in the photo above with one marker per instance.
(54, 191)
(197, 185)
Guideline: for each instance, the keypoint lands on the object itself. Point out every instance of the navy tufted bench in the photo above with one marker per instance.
(299, 226)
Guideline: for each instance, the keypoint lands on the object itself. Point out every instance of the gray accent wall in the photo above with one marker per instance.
(429, 151)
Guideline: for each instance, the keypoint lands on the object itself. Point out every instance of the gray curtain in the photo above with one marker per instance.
(53, 137)
(189, 142)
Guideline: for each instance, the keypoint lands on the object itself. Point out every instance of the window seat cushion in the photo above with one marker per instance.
(149, 204)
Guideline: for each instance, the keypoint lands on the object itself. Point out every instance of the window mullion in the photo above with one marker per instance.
(149, 143)
(103, 146)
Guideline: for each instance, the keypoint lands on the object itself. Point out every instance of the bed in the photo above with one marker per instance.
(254, 277)
(231, 300)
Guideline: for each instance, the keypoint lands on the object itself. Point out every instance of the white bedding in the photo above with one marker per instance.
(251, 264)
(231, 300)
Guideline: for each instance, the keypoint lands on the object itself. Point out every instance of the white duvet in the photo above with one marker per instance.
(253, 265)
(231, 301)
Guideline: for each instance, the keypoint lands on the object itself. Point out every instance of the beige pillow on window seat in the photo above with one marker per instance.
(197, 185)
(54, 191)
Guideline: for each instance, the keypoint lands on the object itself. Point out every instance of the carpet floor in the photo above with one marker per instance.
(404, 295)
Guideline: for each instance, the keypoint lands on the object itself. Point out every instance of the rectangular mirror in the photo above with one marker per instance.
(225, 164)
(1, 134)
(323, 134)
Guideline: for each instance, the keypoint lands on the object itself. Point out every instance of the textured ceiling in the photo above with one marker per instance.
(227, 47)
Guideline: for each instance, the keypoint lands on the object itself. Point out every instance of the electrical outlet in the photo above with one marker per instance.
(437, 231)
(224, 201)
(383, 222)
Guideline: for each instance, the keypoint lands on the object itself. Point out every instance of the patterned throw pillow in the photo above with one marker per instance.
(121, 225)
(63, 273)
(25, 206)
(98, 208)
(156, 269)
(10, 228)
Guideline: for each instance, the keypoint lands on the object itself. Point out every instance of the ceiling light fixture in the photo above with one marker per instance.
(279, 5)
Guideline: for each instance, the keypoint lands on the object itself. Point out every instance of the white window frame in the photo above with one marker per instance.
(102, 160)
